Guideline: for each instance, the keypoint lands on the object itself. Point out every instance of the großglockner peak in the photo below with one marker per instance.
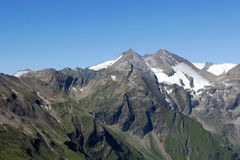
(168, 67)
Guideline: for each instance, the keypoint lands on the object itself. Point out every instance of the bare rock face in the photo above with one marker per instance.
(63, 79)
(234, 73)
(134, 95)
(220, 103)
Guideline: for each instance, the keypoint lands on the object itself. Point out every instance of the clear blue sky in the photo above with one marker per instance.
(39, 34)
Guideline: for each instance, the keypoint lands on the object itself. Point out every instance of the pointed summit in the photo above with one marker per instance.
(164, 60)
(163, 51)
(130, 54)
(130, 50)
(130, 59)
(169, 57)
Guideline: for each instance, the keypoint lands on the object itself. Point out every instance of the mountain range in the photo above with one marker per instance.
(156, 106)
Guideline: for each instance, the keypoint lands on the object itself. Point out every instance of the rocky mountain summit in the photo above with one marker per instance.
(156, 106)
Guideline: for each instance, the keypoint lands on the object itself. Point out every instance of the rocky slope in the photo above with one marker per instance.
(157, 106)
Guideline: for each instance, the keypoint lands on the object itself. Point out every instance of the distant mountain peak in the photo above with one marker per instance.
(167, 66)
(163, 51)
(216, 69)
(130, 50)
(171, 68)
(21, 72)
(129, 54)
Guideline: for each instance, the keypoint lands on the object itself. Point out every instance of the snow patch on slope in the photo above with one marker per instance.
(199, 65)
(219, 69)
(198, 81)
(114, 78)
(19, 73)
(181, 70)
(74, 89)
(105, 64)
(14, 91)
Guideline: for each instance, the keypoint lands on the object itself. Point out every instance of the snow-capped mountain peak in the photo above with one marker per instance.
(216, 69)
(21, 72)
(109, 63)
(168, 68)
(173, 69)
(219, 69)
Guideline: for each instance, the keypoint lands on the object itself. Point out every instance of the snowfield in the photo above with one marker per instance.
(104, 65)
(199, 65)
(182, 70)
(217, 69)
(19, 73)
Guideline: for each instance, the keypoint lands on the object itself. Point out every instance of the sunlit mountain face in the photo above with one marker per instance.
(156, 106)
